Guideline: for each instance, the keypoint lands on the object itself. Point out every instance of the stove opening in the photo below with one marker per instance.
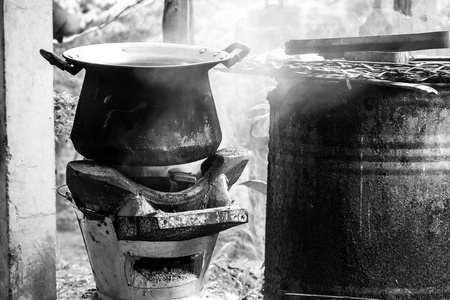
(150, 272)
(172, 178)
(174, 182)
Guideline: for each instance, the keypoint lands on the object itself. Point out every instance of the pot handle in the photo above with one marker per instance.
(59, 62)
(235, 56)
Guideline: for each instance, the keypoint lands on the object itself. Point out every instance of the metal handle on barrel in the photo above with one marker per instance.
(235, 55)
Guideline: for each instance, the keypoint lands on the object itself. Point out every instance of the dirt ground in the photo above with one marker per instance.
(73, 272)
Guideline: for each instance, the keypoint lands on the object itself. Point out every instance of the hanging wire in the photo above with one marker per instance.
(67, 195)
(60, 194)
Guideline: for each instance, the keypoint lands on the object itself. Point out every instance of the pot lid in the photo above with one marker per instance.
(145, 55)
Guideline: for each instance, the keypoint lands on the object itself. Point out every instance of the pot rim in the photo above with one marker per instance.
(145, 55)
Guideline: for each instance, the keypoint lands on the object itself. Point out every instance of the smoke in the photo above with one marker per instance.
(267, 25)
(264, 26)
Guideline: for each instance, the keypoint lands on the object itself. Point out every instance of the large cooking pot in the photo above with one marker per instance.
(146, 104)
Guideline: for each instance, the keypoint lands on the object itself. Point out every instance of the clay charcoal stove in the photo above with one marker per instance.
(149, 244)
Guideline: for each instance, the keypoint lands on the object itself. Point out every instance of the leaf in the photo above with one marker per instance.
(258, 143)
(257, 185)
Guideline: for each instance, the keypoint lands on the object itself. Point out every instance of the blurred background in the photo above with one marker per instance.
(264, 25)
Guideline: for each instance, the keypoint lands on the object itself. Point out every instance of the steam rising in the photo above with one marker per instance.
(265, 28)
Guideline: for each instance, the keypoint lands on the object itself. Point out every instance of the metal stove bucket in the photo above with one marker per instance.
(134, 267)
(143, 269)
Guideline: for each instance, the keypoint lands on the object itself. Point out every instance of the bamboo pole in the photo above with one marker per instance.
(177, 22)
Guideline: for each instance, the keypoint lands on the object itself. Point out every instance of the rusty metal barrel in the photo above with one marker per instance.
(358, 192)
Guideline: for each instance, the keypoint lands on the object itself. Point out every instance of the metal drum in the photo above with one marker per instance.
(365, 178)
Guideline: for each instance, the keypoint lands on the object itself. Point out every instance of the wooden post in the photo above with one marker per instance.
(177, 22)
(27, 180)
